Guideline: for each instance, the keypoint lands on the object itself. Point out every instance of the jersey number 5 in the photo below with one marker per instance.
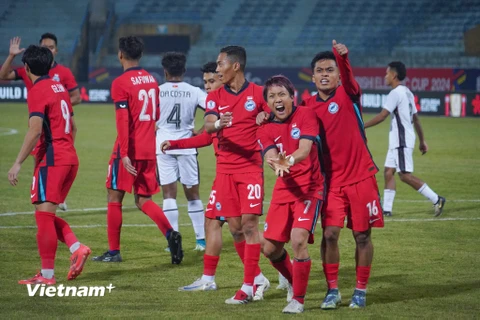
(145, 97)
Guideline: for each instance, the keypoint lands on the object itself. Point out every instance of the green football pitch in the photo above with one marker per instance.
(424, 267)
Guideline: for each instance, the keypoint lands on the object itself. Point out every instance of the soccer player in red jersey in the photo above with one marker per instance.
(57, 73)
(51, 122)
(298, 192)
(349, 168)
(132, 164)
(238, 194)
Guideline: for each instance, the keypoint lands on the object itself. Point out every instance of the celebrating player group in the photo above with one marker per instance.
(317, 151)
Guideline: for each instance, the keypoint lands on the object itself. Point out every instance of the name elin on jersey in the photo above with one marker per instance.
(142, 79)
(175, 94)
(57, 88)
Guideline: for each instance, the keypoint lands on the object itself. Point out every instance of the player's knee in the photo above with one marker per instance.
(272, 251)
(362, 239)
(388, 173)
(405, 177)
(249, 229)
(330, 236)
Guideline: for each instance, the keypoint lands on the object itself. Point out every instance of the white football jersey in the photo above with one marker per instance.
(178, 103)
(401, 105)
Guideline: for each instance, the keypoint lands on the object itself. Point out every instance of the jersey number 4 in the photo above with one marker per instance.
(145, 96)
(174, 116)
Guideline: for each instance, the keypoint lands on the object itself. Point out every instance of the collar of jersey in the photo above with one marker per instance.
(133, 68)
(287, 118)
(330, 97)
(54, 65)
(41, 78)
(245, 85)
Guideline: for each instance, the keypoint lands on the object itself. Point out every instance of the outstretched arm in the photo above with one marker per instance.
(379, 118)
(346, 73)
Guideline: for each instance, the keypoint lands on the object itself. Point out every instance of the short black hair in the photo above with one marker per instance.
(48, 35)
(236, 54)
(324, 55)
(399, 68)
(131, 47)
(174, 63)
(209, 67)
(38, 59)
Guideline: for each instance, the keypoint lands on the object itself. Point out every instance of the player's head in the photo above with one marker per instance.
(396, 72)
(130, 49)
(230, 61)
(326, 75)
(37, 60)
(279, 93)
(49, 40)
(174, 64)
(211, 81)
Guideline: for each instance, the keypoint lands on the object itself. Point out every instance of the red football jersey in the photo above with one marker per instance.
(136, 97)
(50, 100)
(305, 178)
(346, 157)
(238, 150)
(57, 73)
(202, 140)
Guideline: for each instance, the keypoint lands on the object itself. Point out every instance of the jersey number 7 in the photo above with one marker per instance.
(146, 97)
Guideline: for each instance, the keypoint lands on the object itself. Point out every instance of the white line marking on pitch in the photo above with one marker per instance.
(6, 214)
(8, 131)
(261, 222)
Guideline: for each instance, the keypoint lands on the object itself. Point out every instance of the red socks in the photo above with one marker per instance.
(252, 256)
(46, 238)
(284, 266)
(363, 273)
(331, 274)
(240, 248)
(301, 272)
(114, 225)
(210, 264)
(64, 233)
(156, 213)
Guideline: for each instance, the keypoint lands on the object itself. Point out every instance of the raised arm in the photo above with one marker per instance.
(346, 73)
(6, 72)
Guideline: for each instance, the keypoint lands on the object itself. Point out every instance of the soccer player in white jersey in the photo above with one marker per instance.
(178, 103)
(401, 105)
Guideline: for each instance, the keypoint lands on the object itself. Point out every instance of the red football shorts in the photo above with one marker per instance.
(145, 183)
(237, 194)
(359, 202)
(52, 184)
(210, 211)
(283, 217)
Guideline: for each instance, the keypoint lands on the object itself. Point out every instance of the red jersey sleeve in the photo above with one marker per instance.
(212, 104)
(36, 105)
(346, 74)
(120, 98)
(202, 140)
(21, 74)
(68, 80)
(309, 127)
(265, 140)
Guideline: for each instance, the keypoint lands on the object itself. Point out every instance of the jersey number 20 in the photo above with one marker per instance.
(144, 96)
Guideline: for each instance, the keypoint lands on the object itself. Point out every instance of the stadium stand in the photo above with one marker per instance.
(63, 18)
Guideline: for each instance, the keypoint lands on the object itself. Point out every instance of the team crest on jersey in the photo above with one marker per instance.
(250, 104)
(295, 133)
(56, 77)
(333, 107)
(211, 104)
(218, 206)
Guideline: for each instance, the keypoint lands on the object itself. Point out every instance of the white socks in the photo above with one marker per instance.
(74, 247)
(259, 279)
(208, 278)
(171, 212)
(388, 197)
(195, 211)
(428, 193)
(47, 273)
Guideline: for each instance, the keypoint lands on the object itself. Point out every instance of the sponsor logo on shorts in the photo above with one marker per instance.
(300, 219)
(250, 104)
(254, 205)
(33, 195)
(218, 205)
(372, 221)
(333, 107)
(295, 133)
